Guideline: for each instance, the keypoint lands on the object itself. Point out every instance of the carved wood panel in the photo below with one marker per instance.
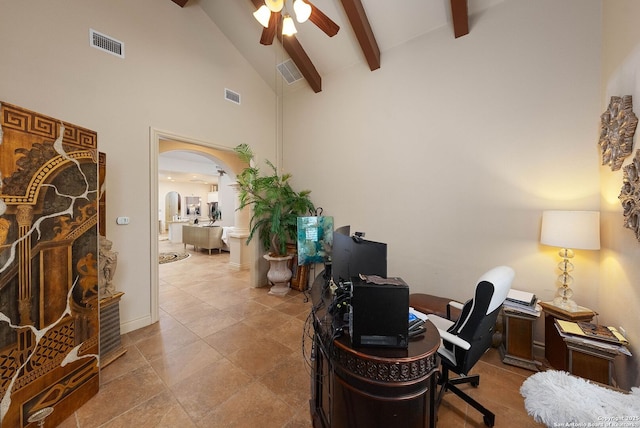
(49, 324)
(617, 127)
(630, 195)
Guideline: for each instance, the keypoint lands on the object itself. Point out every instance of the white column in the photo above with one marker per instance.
(242, 217)
(241, 255)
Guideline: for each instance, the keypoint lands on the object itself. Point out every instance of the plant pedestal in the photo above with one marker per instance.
(279, 274)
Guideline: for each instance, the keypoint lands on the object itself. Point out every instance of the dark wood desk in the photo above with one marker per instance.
(369, 387)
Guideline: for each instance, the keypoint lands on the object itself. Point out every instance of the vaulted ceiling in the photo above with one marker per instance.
(367, 29)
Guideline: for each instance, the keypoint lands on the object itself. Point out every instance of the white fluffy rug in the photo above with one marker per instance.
(557, 398)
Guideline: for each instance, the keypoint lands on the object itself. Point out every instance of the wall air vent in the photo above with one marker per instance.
(232, 96)
(106, 43)
(289, 71)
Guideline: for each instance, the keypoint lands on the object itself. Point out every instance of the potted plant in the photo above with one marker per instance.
(276, 208)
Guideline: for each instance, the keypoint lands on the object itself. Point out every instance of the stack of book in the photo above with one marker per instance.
(522, 302)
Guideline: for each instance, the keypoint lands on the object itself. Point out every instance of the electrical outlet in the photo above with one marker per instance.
(622, 331)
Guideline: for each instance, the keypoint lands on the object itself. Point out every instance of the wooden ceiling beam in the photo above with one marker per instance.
(298, 55)
(460, 16)
(180, 3)
(362, 29)
(322, 21)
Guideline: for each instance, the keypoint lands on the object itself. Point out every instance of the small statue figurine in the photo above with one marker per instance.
(107, 261)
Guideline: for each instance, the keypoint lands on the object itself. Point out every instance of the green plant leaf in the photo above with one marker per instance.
(275, 205)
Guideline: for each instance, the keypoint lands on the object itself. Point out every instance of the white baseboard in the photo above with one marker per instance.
(130, 326)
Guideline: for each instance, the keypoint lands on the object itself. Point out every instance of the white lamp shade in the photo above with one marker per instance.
(302, 10)
(212, 197)
(274, 5)
(288, 27)
(262, 15)
(578, 230)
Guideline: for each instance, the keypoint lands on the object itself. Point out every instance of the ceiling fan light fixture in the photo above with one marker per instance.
(302, 10)
(274, 5)
(262, 15)
(288, 27)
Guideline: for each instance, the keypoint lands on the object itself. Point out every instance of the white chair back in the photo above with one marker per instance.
(501, 277)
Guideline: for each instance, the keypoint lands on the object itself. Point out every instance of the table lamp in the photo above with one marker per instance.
(569, 230)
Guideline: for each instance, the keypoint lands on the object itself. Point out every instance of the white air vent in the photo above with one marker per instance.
(229, 95)
(106, 43)
(289, 71)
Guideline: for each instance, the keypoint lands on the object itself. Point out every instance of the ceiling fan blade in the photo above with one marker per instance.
(269, 33)
(323, 22)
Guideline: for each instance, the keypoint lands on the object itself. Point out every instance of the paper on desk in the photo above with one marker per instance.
(523, 297)
(595, 343)
(592, 331)
(534, 310)
(570, 327)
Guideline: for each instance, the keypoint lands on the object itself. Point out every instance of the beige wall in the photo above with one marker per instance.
(619, 289)
(176, 66)
(454, 147)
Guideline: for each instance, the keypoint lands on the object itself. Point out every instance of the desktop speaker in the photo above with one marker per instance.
(379, 313)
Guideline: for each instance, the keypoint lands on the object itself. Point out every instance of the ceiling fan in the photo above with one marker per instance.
(270, 15)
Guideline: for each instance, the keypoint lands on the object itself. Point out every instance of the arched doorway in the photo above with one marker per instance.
(165, 141)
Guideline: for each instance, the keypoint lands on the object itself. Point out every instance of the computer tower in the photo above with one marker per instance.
(379, 314)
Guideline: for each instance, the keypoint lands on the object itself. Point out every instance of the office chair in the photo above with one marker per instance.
(467, 339)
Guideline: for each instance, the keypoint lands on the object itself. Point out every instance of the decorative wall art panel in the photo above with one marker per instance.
(315, 237)
(617, 126)
(630, 195)
(49, 325)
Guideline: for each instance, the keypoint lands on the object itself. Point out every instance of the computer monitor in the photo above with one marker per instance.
(345, 230)
(351, 257)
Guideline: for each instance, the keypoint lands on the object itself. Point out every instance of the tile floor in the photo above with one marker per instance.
(227, 355)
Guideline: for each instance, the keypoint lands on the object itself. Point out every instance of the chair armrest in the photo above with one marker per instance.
(453, 304)
(456, 305)
(443, 324)
(455, 340)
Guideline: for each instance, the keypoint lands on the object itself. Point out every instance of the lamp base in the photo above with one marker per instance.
(566, 304)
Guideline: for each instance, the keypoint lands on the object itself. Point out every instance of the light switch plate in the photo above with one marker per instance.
(122, 220)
